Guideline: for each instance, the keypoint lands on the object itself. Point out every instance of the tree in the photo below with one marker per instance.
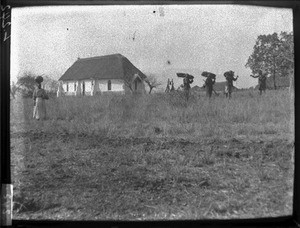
(14, 87)
(287, 52)
(130, 81)
(272, 53)
(50, 84)
(152, 82)
(287, 48)
(25, 84)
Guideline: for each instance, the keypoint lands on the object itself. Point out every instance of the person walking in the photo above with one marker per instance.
(209, 82)
(187, 81)
(39, 97)
(229, 75)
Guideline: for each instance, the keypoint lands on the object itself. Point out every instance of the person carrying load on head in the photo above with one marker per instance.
(262, 80)
(39, 97)
(229, 75)
(209, 82)
(187, 81)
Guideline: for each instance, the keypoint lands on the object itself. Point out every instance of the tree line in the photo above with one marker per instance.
(274, 53)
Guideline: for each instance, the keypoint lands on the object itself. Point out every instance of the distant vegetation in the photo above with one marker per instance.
(275, 54)
(152, 82)
(26, 83)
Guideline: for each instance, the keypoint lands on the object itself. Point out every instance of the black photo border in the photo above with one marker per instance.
(284, 221)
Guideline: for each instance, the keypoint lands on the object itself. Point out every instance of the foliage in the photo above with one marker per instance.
(14, 87)
(274, 53)
(26, 84)
(287, 47)
(152, 82)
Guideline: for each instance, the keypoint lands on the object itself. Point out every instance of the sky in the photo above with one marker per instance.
(157, 39)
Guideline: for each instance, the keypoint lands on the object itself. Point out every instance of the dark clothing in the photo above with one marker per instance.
(186, 86)
(262, 81)
(229, 82)
(209, 82)
(186, 83)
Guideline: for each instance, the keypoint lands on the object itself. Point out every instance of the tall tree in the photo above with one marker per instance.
(272, 52)
(287, 52)
(287, 48)
(152, 82)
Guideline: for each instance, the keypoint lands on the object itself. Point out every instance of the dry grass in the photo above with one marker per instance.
(154, 157)
(167, 115)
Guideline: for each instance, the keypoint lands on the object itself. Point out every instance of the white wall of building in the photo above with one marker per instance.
(88, 85)
(69, 86)
(116, 85)
(100, 86)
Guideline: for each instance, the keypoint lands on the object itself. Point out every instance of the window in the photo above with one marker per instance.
(67, 87)
(109, 85)
(75, 85)
(83, 88)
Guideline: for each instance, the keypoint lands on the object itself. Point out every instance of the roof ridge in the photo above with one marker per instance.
(102, 56)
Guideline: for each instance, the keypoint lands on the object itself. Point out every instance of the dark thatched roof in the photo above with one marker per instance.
(114, 66)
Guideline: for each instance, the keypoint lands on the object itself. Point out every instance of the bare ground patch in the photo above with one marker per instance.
(75, 176)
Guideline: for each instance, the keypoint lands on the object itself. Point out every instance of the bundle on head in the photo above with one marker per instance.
(208, 74)
(183, 75)
(39, 79)
(228, 73)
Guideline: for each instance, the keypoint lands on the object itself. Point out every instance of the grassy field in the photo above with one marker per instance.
(154, 157)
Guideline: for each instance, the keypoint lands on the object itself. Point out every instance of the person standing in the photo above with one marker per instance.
(262, 81)
(39, 97)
